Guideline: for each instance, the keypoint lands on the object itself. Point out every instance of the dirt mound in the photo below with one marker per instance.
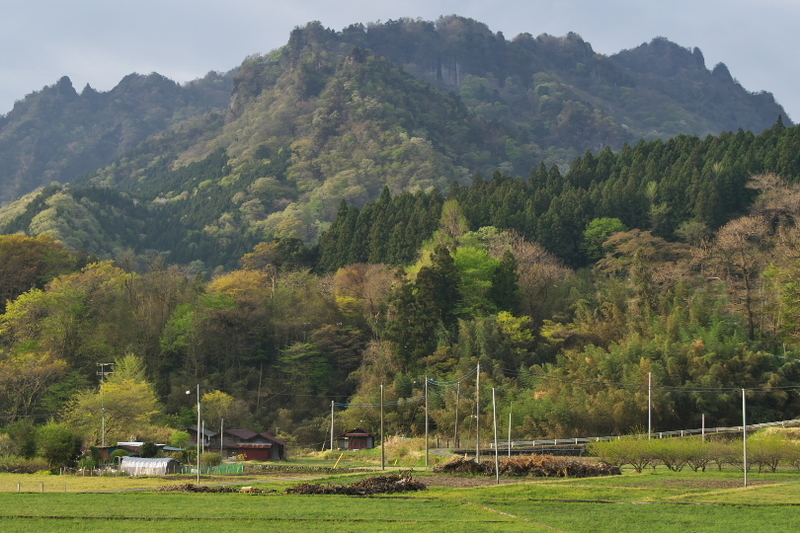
(191, 487)
(386, 484)
(530, 465)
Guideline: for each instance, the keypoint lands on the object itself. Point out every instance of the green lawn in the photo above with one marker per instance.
(652, 501)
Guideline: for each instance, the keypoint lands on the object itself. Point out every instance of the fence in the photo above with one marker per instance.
(656, 434)
(237, 468)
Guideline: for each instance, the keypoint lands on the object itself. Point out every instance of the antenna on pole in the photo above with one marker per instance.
(103, 373)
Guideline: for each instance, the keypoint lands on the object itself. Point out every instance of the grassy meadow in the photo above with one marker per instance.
(654, 500)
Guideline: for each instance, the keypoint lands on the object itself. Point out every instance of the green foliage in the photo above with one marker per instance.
(23, 465)
(148, 449)
(210, 459)
(179, 438)
(59, 444)
(596, 233)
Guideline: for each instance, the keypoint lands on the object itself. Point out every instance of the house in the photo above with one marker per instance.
(356, 439)
(134, 448)
(206, 434)
(140, 466)
(254, 446)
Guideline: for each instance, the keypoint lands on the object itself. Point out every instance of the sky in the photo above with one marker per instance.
(98, 42)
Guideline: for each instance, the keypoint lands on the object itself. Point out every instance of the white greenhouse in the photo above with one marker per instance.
(142, 466)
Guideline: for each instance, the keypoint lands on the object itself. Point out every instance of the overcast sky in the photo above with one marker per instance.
(100, 41)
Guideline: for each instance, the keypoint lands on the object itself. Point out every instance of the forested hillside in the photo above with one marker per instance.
(431, 284)
(57, 134)
(394, 205)
(269, 150)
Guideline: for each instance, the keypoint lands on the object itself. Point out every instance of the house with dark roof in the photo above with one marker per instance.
(356, 439)
(206, 435)
(254, 446)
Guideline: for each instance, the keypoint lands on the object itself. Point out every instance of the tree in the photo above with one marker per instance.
(59, 444)
(148, 449)
(505, 292)
(25, 376)
(179, 438)
(126, 398)
(218, 405)
(738, 255)
(595, 235)
(30, 262)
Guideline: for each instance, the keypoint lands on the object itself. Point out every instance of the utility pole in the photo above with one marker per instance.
(331, 425)
(103, 373)
(455, 436)
(744, 435)
(496, 449)
(383, 449)
(649, 404)
(510, 410)
(703, 426)
(426, 420)
(478, 416)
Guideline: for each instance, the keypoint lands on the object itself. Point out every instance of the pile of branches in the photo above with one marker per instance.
(191, 487)
(529, 465)
(386, 484)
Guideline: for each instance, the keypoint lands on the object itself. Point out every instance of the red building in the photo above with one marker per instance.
(356, 439)
(254, 446)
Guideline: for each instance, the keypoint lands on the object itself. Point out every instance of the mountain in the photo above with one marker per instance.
(270, 149)
(57, 134)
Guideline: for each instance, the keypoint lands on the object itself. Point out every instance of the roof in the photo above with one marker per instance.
(147, 461)
(206, 432)
(357, 432)
(246, 435)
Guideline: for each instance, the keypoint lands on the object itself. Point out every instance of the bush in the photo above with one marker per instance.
(118, 453)
(179, 438)
(59, 444)
(22, 465)
(633, 450)
(210, 459)
(86, 463)
(767, 450)
(148, 449)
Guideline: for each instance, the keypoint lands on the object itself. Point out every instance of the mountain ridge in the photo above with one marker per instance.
(270, 149)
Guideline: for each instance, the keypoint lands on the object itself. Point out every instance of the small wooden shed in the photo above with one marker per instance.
(254, 446)
(356, 439)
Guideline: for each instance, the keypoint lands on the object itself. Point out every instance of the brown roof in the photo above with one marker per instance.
(357, 432)
(246, 435)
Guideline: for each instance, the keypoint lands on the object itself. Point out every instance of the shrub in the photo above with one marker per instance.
(633, 450)
(698, 454)
(118, 453)
(767, 450)
(59, 444)
(179, 438)
(148, 449)
(86, 463)
(210, 459)
(22, 465)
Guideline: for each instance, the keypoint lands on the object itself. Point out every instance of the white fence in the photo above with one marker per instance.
(656, 434)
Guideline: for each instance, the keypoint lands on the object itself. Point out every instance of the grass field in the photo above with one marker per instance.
(652, 501)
